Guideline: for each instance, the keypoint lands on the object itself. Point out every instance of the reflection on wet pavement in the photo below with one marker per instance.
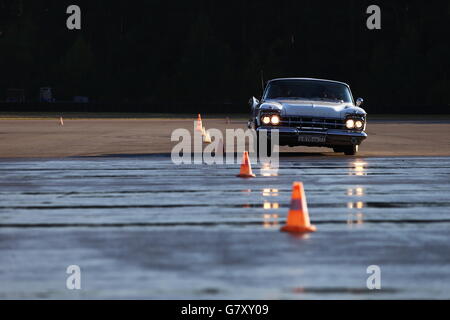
(267, 170)
(195, 231)
(270, 219)
(358, 168)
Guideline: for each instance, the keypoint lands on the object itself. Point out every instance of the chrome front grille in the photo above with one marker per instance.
(312, 123)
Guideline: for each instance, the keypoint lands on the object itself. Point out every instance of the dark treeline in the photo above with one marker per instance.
(160, 52)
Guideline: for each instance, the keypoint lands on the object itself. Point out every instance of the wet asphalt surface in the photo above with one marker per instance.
(140, 227)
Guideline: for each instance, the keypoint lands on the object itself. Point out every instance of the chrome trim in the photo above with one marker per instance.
(330, 132)
(280, 129)
(324, 123)
(348, 134)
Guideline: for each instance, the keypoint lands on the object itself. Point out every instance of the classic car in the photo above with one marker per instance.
(310, 112)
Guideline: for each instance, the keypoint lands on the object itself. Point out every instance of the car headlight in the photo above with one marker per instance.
(270, 119)
(354, 124)
(359, 124)
(265, 119)
(350, 123)
(275, 120)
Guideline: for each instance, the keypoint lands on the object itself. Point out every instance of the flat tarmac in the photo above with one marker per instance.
(140, 227)
(104, 194)
(44, 138)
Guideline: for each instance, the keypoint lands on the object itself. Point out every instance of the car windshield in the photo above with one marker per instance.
(308, 89)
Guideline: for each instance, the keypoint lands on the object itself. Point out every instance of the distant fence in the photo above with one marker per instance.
(208, 108)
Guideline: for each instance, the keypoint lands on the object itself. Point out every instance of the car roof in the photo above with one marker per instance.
(313, 79)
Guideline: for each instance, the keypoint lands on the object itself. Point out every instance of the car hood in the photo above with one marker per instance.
(307, 108)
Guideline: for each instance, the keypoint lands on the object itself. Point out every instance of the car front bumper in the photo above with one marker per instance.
(316, 138)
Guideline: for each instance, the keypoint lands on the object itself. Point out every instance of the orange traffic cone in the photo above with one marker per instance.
(199, 123)
(207, 138)
(246, 167)
(298, 218)
(203, 132)
(61, 121)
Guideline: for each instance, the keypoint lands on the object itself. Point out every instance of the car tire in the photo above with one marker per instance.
(352, 150)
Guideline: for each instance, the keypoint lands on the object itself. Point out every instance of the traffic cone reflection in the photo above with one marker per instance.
(246, 167)
(298, 217)
(199, 123)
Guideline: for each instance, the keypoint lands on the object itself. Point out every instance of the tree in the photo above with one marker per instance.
(76, 69)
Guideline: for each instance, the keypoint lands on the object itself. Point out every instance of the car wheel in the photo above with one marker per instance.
(351, 151)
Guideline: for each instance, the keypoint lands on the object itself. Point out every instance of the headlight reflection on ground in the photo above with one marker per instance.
(355, 219)
(355, 205)
(268, 171)
(270, 220)
(359, 192)
(271, 205)
(358, 217)
(270, 192)
(358, 168)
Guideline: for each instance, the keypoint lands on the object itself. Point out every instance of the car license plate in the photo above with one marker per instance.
(312, 138)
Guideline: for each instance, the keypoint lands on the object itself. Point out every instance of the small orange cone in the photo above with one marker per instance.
(203, 132)
(298, 218)
(61, 121)
(199, 123)
(246, 167)
(207, 138)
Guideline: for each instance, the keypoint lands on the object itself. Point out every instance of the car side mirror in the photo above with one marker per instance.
(359, 102)
(253, 102)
